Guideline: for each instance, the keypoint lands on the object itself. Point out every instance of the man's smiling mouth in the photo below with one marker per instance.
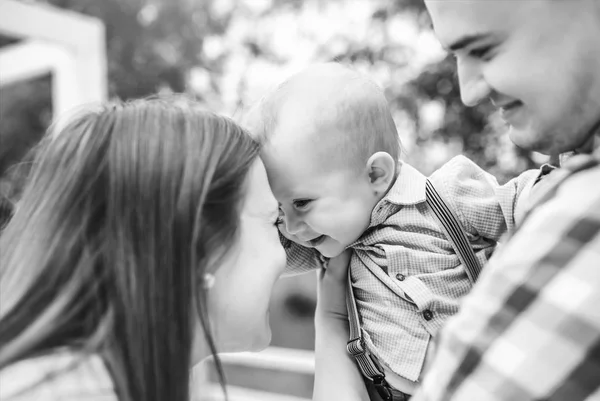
(510, 112)
(510, 106)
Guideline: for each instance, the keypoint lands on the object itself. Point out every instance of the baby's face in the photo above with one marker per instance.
(319, 208)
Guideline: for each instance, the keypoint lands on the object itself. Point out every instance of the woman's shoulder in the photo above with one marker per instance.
(60, 376)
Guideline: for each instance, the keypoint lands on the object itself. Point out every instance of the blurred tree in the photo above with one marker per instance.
(228, 52)
(388, 42)
(201, 46)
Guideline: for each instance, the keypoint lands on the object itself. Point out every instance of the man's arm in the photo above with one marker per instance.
(336, 374)
(483, 206)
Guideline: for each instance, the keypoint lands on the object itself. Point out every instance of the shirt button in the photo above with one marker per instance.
(400, 276)
(427, 314)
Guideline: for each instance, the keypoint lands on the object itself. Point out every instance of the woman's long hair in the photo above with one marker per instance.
(124, 208)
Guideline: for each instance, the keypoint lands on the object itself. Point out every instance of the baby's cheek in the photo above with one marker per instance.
(326, 222)
(359, 220)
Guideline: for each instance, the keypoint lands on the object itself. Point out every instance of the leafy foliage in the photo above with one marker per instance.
(211, 48)
(228, 52)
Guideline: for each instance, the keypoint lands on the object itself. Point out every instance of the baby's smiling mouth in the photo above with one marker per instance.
(316, 241)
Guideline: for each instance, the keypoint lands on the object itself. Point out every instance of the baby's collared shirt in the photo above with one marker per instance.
(406, 276)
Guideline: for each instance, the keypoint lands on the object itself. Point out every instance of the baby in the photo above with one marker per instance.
(332, 155)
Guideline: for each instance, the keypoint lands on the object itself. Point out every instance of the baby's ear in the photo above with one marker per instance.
(382, 171)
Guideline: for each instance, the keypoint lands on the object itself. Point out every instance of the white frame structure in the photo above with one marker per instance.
(68, 45)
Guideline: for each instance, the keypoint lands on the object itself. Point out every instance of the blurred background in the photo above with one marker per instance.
(228, 53)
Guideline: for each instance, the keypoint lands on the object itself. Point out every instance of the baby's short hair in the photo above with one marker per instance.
(349, 110)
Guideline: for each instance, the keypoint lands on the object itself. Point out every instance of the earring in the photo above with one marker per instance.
(208, 281)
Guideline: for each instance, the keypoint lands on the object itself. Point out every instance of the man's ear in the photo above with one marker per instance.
(381, 168)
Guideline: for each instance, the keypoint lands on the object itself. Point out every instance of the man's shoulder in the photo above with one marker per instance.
(563, 222)
(580, 190)
(581, 176)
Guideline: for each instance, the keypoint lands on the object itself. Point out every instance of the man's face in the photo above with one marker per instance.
(323, 208)
(538, 61)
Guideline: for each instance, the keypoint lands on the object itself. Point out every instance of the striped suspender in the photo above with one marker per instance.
(454, 231)
(368, 365)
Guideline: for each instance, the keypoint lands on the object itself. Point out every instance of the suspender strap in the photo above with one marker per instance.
(356, 346)
(454, 231)
(367, 363)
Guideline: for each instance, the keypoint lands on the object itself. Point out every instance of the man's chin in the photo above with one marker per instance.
(551, 141)
(527, 138)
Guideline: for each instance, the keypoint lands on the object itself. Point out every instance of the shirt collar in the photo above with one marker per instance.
(409, 187)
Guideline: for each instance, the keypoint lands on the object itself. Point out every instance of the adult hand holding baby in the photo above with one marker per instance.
(332, 289)
(336, 376)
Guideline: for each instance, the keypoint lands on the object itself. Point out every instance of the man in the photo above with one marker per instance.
(530, 328)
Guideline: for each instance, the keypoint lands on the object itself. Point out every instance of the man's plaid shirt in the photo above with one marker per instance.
(406, 276)
(530, 329)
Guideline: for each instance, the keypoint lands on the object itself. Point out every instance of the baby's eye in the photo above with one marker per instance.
(481, 53)
(301, 203)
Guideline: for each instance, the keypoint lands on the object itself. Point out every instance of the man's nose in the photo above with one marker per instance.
(473, 85)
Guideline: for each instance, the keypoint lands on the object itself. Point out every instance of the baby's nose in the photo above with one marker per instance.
(293, 224)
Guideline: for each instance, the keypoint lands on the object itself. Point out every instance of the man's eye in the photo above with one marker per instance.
(481, 52)
(301, 203)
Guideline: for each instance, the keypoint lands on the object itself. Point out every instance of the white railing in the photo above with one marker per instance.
(234, 393)
(277, 358)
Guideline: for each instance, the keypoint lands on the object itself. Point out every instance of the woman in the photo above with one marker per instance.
(144, 241)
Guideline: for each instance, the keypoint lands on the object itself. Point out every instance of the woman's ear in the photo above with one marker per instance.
(381, 168)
